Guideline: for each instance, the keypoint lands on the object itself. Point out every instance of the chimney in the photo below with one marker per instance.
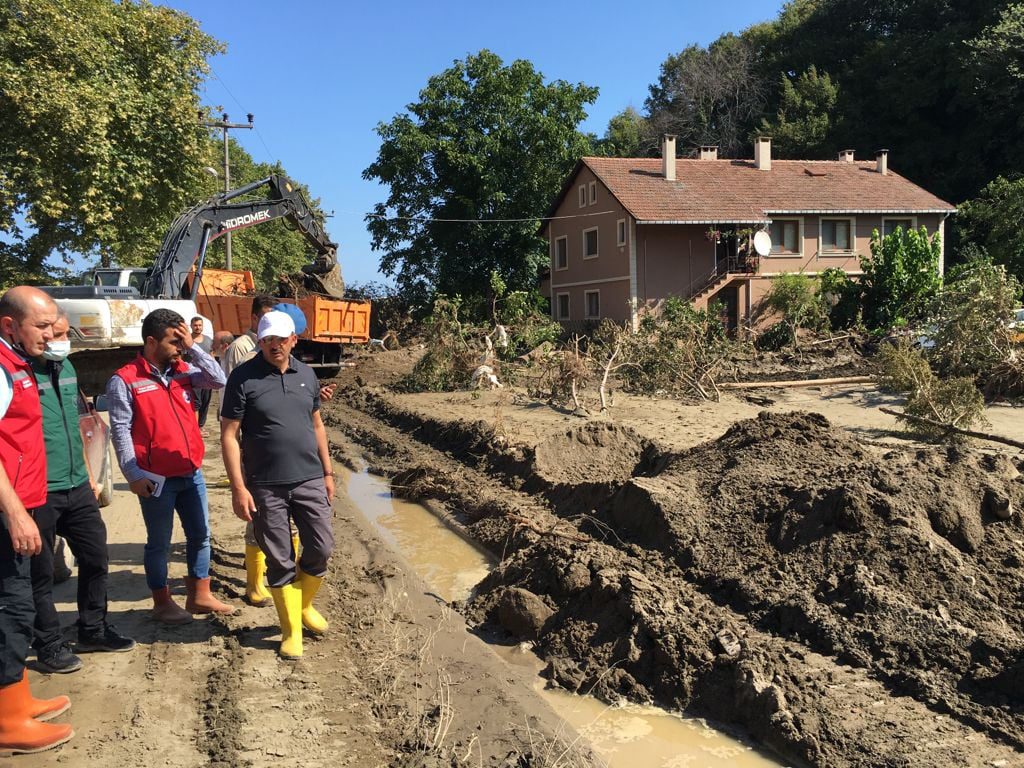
(668, 157)
(883, 161)
(763, 153)
(708, 152)
(846, 156)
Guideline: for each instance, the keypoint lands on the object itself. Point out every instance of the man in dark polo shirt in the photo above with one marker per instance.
(276, 456)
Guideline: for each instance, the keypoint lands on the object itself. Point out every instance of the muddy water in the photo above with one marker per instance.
(626, 736)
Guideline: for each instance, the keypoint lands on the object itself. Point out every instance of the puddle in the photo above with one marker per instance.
(624, 736)
(449, 564)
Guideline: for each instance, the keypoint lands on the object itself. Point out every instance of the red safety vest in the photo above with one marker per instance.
(165, 432)
(22, 450)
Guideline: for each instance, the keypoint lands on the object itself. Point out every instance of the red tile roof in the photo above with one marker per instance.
(712, 191)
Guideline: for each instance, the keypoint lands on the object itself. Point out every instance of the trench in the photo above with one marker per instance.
(624, 736)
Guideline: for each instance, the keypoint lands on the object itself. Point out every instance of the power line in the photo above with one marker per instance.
(427, 219)
(270, 155)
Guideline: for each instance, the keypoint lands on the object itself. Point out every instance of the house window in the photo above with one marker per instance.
(583, 195)
(620, 228)
(563, 306)
(836, 235)
(891, 225)
(785, 235)
(590, 243)
(593, 192)
(593, 304)
(562, 253)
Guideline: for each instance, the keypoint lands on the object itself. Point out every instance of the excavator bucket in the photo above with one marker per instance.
(326, 281)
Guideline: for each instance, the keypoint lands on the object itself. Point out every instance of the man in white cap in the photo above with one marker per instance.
(277, 459)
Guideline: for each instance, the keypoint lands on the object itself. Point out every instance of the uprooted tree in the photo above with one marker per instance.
(970, 328)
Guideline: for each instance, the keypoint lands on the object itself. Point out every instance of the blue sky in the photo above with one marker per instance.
(319, 75)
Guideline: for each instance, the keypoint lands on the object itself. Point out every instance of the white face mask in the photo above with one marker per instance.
(57, 350)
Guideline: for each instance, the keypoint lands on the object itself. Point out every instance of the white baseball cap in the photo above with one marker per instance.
(275, 323)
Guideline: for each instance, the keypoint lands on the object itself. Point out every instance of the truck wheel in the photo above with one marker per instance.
(328, 371)
(106, 481)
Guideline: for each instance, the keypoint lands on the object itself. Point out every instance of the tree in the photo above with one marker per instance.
(470, 167)
(708, 96)
(992, 222)
(971, 318)
(625, 136)
(804, 121)
(793, 296)
(932, 80)
(900, 278)
(100, 143)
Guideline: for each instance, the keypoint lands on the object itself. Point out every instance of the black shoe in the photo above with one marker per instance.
(107, 639)
(59, 660)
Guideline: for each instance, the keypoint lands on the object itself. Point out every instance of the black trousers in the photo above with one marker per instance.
(74, 515)
(16, 609)
(203, 396)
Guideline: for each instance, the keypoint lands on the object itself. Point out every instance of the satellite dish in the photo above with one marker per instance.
(762, 243)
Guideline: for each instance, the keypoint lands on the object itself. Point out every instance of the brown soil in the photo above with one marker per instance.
(397, 681)
(847, 596)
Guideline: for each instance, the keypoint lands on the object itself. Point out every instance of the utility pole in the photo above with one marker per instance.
(225, 126)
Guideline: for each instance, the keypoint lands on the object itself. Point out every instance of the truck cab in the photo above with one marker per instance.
(122, 278)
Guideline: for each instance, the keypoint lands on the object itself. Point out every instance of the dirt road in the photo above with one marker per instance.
(397, 681)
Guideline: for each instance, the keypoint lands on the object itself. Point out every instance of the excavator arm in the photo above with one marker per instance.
(190, 235)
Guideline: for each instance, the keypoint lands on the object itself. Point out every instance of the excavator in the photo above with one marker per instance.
(106, 315)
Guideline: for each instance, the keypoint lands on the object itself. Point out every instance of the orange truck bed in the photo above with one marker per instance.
(327, 320)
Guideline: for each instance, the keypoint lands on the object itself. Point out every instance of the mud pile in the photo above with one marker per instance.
(718, 578)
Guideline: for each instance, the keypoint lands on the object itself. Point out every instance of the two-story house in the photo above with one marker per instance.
(625, 233)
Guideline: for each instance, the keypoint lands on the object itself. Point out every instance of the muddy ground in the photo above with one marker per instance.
(397, 681)
(784, 561)
(788, 562)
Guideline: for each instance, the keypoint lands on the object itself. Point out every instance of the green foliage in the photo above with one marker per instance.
(952, 402)
(992, 221)
(708, 96)
(900, 278)
(971, 321)
(529, 322)
(100, 147)
(793, 296)
(678, 349)
(484, 141)
(449, 361)
(839, 296)
(936, 81)
(803, 123)
(625, 135)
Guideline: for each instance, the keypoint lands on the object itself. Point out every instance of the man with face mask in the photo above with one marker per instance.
(27, 316)
(160, 450)
(71, 511)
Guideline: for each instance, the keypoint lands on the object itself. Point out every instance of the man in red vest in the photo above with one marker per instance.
(160, 450)
(27, 316)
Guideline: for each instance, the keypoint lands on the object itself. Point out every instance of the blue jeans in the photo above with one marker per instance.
(187, 495)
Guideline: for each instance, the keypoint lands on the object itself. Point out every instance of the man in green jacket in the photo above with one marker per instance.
(72, 512)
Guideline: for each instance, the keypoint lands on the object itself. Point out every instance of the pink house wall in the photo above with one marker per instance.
(608, 273)
(671, 259)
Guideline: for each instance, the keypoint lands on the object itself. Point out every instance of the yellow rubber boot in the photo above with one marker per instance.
(255, 570)
(295, 547)
(288, 601)
(311, 618)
